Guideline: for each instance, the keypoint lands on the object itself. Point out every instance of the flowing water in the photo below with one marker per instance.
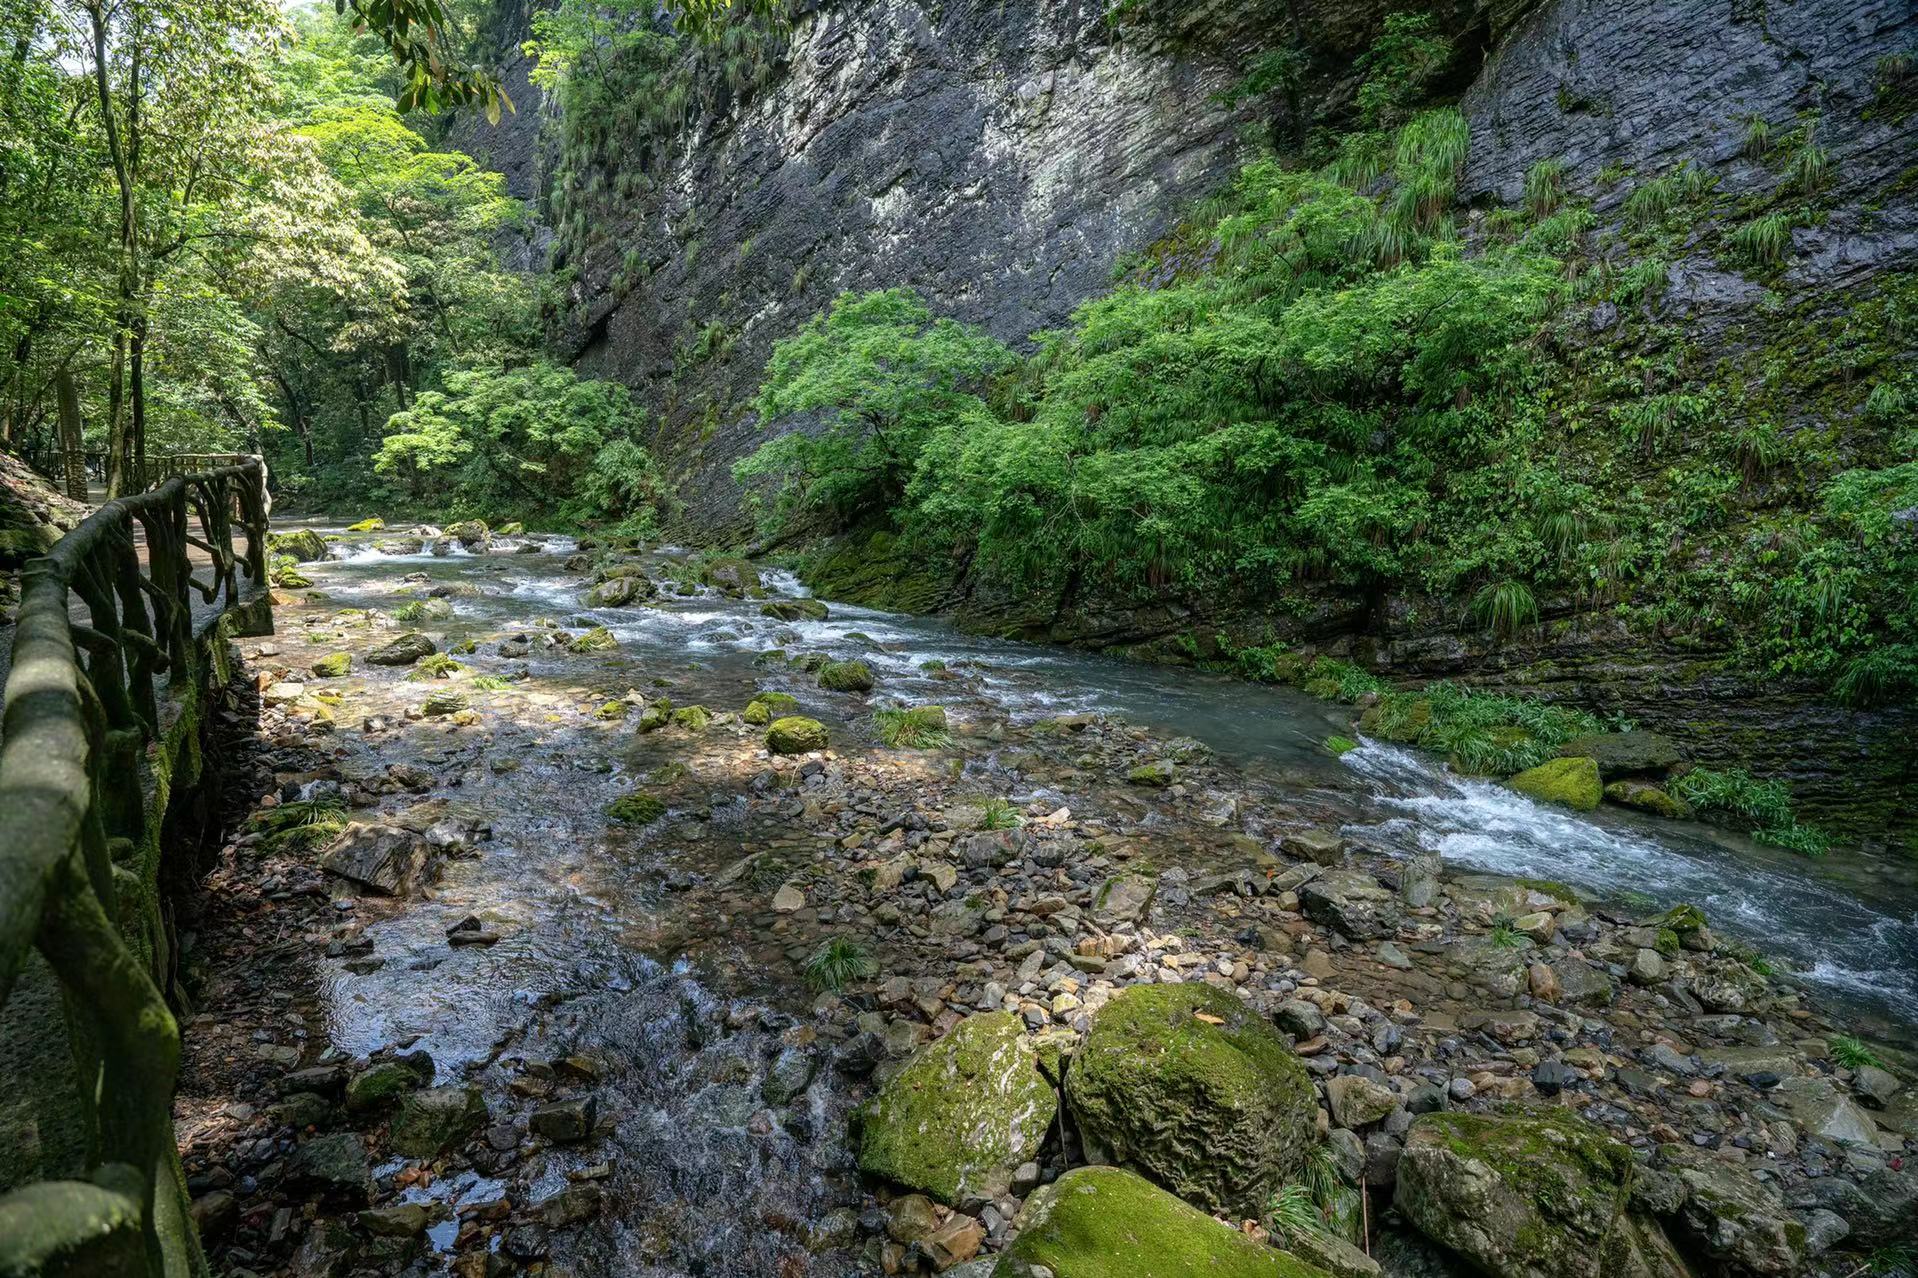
(709, 1178)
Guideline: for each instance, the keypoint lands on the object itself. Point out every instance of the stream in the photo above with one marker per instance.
(594, 957)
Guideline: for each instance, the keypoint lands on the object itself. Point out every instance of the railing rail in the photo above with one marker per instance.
(96, 631)
(75, 468)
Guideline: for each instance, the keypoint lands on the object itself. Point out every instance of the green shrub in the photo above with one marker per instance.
(1505, 608)
(920, 728)
(1544, 187)
(837, 963)
(999, 814)
(1852, 1053)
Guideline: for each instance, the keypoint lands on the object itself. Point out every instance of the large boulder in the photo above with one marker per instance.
(795, 734)
(1190, 1086)
(846, 676)
(1351, 902)
(436, 1119)
(1625, 754)
(384, 859)
(303, 544)
(1726, 1214)
(963, 1114)
(619, 592)
(1100, 1222)
(1573, 782)
(1528, 1194)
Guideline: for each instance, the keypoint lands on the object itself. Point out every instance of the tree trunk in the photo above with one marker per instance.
(72, 441)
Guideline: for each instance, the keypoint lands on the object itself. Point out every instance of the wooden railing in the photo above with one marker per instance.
(97, 630)
(75, 468)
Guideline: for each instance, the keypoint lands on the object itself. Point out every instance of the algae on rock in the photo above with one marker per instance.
(1572, 781)
(963, 1114)
(1192, 1087)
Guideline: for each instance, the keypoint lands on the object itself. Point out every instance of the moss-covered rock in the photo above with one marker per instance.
(1573, 782)
(846, 676)
(303, 545)
(333, 665)
(468, 532)
(598, 639)
(436, 1119)
(692, 718)
(767, 706)
(375, 524)
(1191, 1087)
(795, 610)
(876, 570)
(620, 592)
(636, 809)
(963, 1114)
(1520, 1193)
(1624, 754)
(1105, 1222)
(1647, 797)
(1397, 719)
(1156, 775)
(795, 734)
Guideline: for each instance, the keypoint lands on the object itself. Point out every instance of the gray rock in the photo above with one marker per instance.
(1349, 901)
(403, 651)
(335, 1163)
(434, 1120)
(566, 1122)
(384, 859)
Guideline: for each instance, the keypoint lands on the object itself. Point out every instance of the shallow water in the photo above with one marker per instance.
(707, 1179)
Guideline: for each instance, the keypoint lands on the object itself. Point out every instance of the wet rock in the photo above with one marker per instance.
(403, 651)
(566, 1122)
(1349, 901)
(401, 1220)
(795, 610)
(1647, 967)
(434, 1120)
(332, 665)
(1874, 1086)
(767, 706)
(962, 1115)
(911, 1217)
(791, 1073)
(333, 1164)
(1520, 1194)
(1626, 754)
(595, 639)
(1582, 985)
(469, 532)
(795, 735)
(384, 859)
(1823, 1111)
(1553, 1077)
(1098, 1221)
(1332, 1254)
(382, 1083)
(846, 676)
(1419, 880)
(1646, 797)
(619, 592)
(303, 544)
(1186, 1083)
(1572, 782)
(570, 1206)
(954, 1243)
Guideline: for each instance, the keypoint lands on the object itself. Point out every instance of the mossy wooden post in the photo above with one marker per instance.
(74, 731)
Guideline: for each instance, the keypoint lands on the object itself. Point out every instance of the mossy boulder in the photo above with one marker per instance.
(468, 532)
(795, 610)
(1190, 1086)
(767, 706)
(1106, 1222)
(636, 809)
(513, 528)
(846, 676)
(303, 545)
(1571, 782)
(375, 524)
(333, 665)
(1521, 1193)
(403, 651)
(795, 734)
(620, 592)
(1647, 797)
(384, 1082)
(963, 1114)
(731, 576)
(1397, 719)
(1156, 775)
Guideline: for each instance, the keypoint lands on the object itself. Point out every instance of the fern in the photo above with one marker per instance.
(1505, 608)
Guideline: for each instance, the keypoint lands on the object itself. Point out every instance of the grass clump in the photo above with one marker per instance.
(920, 728)
(1763, 241)
(435, 665)
(1764, 806)
(1505, 608)
(1852, 1053)
(999, 814)
(636, 809)
(491, 683)
(1340, 745)
(837, 963)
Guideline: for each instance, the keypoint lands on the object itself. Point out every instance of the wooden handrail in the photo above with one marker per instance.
(81, 704)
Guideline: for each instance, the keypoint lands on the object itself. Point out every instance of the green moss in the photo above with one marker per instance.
(374, 524)
(846, 676)
(963, 1113)
(1648, 798)
(875, 570)
(692, 718)
(1190, 1086)
(598, 639)
(1105, 1222)
(767, 706)
(636, 809)
(1573, 782)
(795, 735)
(333, 665)
(612, 710)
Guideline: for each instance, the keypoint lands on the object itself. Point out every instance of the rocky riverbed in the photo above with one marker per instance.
(587, 924)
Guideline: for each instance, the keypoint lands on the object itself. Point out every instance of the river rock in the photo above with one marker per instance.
(403, 651)
(795, 610)
(1351, 902)
(384, 1082)
(335, 1163)
(1525, 1194)
(1190, 1086)
(962, 1115)
(1096, 1222)
(1728, 1215)
(1824, 1111)
(1322, 847)
(1125, 897)
(1332, 1254)
(846, 676)
(436, 1119)
(1647, 797)
(1626, 754)
(382, 858)
(566, 1122)
(1572, 782)
(795, 734)
(303, 544)
(1356, 1101)
(620, 592)
(469, 532)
